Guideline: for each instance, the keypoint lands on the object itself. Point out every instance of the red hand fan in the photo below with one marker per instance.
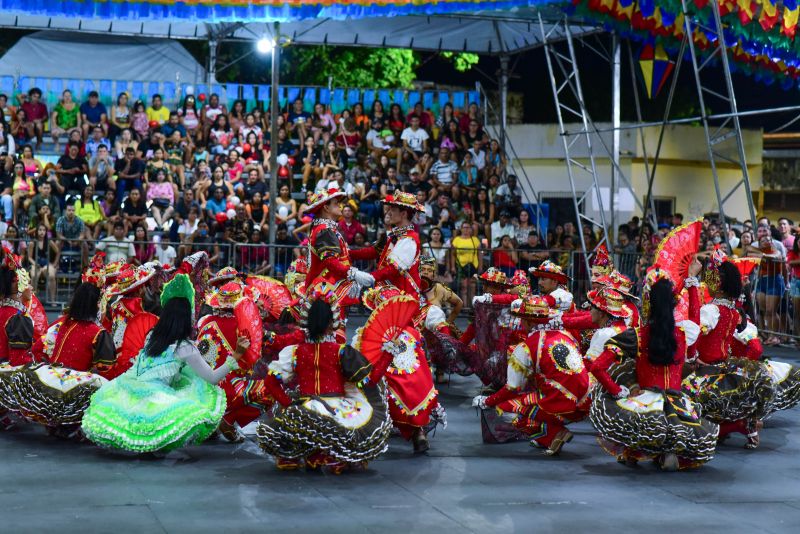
(677, 250)
(38, 316)
(386, 321)
(132, 342)
(274, 296)
(248, 320)
(745, 266)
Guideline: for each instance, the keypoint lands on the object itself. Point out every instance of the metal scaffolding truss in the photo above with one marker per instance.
(730, 127)
(565, 81)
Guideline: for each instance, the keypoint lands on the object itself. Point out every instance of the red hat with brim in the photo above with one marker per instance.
(609, 301)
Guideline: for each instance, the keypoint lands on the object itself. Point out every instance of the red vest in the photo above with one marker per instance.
(15, 355)
(715, 346)
(75, 344)
(561, 380)
(318, 369)
(122, 311)
(327, 261)
(408, 281)
(660, 376)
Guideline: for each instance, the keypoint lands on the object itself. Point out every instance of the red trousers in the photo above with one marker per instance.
(540, 425)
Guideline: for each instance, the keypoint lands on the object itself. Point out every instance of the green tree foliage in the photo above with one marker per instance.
(350, 67)
(462, 61)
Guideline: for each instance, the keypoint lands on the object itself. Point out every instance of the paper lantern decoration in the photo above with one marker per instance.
(201, 97)
(656, 68)
(153, 124)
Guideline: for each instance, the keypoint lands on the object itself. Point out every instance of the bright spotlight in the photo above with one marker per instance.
(265, 45)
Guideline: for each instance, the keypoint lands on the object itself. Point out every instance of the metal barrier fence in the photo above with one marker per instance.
(776, 306)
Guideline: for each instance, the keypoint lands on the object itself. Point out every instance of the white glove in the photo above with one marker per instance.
(623, 392)
(479, 402)
(360, 277)
(486, 297)
(393, 347)
(555, 323)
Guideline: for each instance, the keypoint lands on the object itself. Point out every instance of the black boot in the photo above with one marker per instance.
(420, 441)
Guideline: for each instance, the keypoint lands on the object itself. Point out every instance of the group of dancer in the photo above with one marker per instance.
(149, 359)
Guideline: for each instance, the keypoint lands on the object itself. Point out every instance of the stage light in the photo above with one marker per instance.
(265, 45)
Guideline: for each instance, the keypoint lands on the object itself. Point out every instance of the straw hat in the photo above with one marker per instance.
(317, 200)
(548, 269)
(533, 307)
(494, 276)
(226, 297)
(404, 200)
(131, 278)
(610, 301)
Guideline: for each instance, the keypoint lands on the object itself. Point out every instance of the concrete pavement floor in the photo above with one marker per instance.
(461, 485)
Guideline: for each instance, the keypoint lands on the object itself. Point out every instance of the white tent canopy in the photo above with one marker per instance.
(65, 54)
(482, 32)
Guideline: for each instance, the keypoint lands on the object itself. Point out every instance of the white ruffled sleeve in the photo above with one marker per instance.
(598, 343)
(283, 367)
(691, 331)
(435, 317)
(563, 299)
(747, 335)
(520, 366)
(403, 254)
(709, 317)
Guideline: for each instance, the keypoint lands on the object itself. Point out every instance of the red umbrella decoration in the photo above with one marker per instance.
(248, 319)
(386, 321)
(677, 250)
(273, 295)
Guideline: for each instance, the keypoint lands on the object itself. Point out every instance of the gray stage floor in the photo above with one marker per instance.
(462, 485)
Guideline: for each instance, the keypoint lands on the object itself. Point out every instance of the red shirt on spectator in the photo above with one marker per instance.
(501, 258)
(35, 112)
(349, 230)
(792, 256)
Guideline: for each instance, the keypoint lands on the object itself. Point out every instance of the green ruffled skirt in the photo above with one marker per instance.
(138, 415)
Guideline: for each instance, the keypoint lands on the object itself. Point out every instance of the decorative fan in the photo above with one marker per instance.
(132, 342)
(274, 296)
(745, 266)
(386, 321)
(677, 250)
(38, 316)
(248, 320)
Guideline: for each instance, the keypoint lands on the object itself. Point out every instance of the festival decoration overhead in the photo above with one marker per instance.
(656, 68)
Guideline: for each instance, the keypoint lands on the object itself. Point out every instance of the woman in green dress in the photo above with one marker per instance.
(65, 118)
(168, 398)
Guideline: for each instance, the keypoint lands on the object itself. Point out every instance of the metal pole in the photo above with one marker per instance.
(212, 61)
(275, 109)
(503, 100)
(616, 110)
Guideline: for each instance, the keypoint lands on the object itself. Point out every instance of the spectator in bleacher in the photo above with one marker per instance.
(468, 176)
(176, 151)
(370, 196)
(323, 127)
(299, 120)
(377, 112)
(190, 118)
(396, 121)
(94, 142)
(532, 253)
(221, 138)
(211, 111)
(467, 260)
(478, 158)
(286, 250)
(440, 250)
(254, 184)
(19, 129)
(425, 118)
(310, 161)
(216, 204)
(505, 257)
(22, 189)
(33, 166)
(472, 115)
(257, 210)
(380, 141)
(450, 138)
(786, 229)
(156, 111)
(416, 183)
(165, 253)
(443, 121)
(360, 119)
(35, 114)
(7, 112)
(162, 193)
(44, 255)
(72, 169)
(483, 210)
(101, 170)
(349, 226)
(509, 195)
(121, 117)
(139, 121)
(117, 246)
(523, 227)
(473, 133)
(332, 159)
(130, 171)
(45, 198)
(349, 139)
(391, 181)
(415, 141)
(241, 226)
(502, 227)
(144, 249)
(70, 231)
(90, 212)
(496, 159)
(202, 241)
(110, 210)
(134, 210)
(250, 126)
(172, 125)
(188, 225)
(236, 116)
(93, 113)
(65, 118)
(286, 208)
(8, 147)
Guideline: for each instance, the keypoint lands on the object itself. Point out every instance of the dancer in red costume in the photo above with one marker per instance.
(552, 286)
(337, 419)
(216, 340)
(411, 394)
(16, 330)
(56, 391)
(643, 414)
(496, 291)
(329, 258)
(734, 392)
(128, 286)
(548, 386)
